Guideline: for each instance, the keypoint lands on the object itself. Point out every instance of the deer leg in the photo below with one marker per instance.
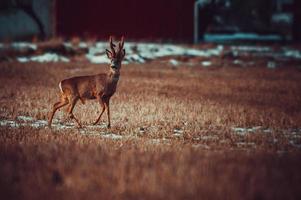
(102, 111)
(56, 106)
(107, 106)
(70, 110)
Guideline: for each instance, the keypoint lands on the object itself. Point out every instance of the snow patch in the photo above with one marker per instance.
(112, 136)
(97, 59)
(47, 57)
(26, 121)
(23, 46)
(159, 141)
(251, 48)
(174, 62)
(245, 131)
(209, 137)
(292, 53)
(83, 45)
(271, 65)
(178, 132)
(290, 133)
(238, 62)
(135, 58)
(25, 118)
(9, 123)
(141, 52)
(206, 63)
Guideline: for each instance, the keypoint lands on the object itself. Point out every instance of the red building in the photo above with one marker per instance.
(136, 19)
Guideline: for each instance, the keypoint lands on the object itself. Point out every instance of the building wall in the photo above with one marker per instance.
(136, 19)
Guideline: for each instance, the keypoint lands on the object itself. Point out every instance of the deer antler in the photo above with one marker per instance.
(121, 43)
(112, 45)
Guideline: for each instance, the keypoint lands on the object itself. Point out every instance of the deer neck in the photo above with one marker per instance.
(113, 76)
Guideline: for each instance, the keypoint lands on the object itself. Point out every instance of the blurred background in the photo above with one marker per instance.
(208, 103)
(155, 20)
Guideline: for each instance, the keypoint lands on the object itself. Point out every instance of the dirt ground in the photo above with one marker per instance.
(185, 132)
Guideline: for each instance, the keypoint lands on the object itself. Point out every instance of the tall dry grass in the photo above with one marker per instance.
(44, 164)
(193, 98)
(151, 102)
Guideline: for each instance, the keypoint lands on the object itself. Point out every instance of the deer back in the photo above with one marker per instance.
(90, 87)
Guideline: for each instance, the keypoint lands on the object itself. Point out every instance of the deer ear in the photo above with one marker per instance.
(109, 54)
(123, 53)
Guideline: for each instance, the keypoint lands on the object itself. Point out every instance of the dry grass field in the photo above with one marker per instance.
(221, 132)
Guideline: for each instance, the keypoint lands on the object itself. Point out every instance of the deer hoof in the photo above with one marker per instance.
(109, 126)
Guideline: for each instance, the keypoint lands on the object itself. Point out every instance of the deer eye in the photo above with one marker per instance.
(114, 62)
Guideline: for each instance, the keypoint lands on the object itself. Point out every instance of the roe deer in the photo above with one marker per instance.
(100, 87)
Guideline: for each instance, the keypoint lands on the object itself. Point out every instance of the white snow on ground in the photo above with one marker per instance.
(83, 45)
(293, 135)
(25, 118)
(113, 136)
(160, 141)
(143, 52)
(209, 137)
(47, 57)
(135, 58)
(251, 48)
(178, 132)
(174, 62)
(238, 62)
(152, 51)
(140, 52)
(267, 51)
(292, 53)
(98, 58)
(9, 123)
(271, 65)
(68, 45)
(23, 45)
(26, 121)
(245, 131)
(19, 46)
(206, 63)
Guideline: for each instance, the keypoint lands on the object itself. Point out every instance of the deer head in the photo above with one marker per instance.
(116, 56)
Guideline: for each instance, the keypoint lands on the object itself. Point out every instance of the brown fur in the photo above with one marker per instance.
(101, 87)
